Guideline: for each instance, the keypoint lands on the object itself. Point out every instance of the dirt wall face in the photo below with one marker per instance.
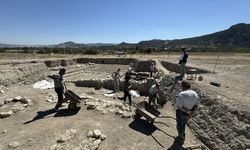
(175, 68)
(142, 66)
(121, 61)
(23, 73)
(218, 125)
(62, 62)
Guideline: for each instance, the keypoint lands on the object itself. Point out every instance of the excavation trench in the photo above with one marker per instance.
(219, 125)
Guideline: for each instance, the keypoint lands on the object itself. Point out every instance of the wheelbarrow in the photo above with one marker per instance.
(144, 109)
(73, 99)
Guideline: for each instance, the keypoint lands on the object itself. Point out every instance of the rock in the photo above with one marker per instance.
(120, 112)
(4, 131)
(126, 115)
(1, 104)
(6, 114)
(13, 145)
(218, 84)
(53, 147)
(102, 137)
(99, 108)
(1, 91)
(50, 100)
(97, 142)
(104, 112)
(108, 104)
(67, 136)
(17, 107)
(90, 134)
(9, 100)
(18, 99)
(91, 106)
(26, 101)
(92, 147)
(200, 78)
(97, 133)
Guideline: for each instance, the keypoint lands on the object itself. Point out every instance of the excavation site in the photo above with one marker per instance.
(94, 115)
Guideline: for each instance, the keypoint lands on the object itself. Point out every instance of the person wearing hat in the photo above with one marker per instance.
(182, 62)
(153, 94)
(59, 87)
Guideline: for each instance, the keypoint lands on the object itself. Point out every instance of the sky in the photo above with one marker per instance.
(114, 21)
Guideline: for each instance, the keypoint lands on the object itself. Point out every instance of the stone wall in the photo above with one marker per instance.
(59, 62)
(23, 73)
(120, 61)
(142, 86)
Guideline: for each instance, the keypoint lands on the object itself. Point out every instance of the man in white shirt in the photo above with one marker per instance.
(186, 103)
(153, 94)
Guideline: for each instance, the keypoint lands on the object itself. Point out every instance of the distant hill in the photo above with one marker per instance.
(236, 36)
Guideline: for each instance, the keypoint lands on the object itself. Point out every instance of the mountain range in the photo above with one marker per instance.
(237, 35)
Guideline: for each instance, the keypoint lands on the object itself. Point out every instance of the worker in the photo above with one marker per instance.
(152, 69)
(126, 90)
(153, 94)
(116, 76)
(182, 62)
(59, 88)
(186, 103)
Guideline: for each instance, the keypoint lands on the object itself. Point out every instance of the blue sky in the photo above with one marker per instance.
(114, 21)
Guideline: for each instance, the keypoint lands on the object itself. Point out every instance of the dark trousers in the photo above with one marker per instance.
(181, 120)
(59, 92)
(126, 94)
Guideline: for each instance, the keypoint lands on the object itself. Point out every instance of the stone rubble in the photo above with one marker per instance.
(92, 142)
(6, 114)
(68, 135)
(105, 106)
(13, 145)
(218, 125)
(14, 105)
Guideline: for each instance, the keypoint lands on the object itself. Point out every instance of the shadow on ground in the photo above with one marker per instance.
(142, 126)
(59, 113)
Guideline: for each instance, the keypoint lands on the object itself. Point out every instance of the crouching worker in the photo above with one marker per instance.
(126, 90)
(186, 103)
(59, 88)
(153, 94)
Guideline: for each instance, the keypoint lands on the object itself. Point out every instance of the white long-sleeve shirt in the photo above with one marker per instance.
(187, 99)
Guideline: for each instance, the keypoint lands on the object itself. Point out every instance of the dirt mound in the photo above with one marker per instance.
(218, 125)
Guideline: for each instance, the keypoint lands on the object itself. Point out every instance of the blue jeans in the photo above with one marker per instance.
(181, 120)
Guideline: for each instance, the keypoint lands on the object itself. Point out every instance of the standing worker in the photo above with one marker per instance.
(126, 90)
(153, 94)
(59, 88)
(152, 69)
(186, 103)
(116, 77)
(182, 62)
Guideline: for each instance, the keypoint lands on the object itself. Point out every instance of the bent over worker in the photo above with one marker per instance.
(59, 88)
(153, 94)
(186, 104)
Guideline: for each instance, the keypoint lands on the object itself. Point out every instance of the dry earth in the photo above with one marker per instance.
(39, 126)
